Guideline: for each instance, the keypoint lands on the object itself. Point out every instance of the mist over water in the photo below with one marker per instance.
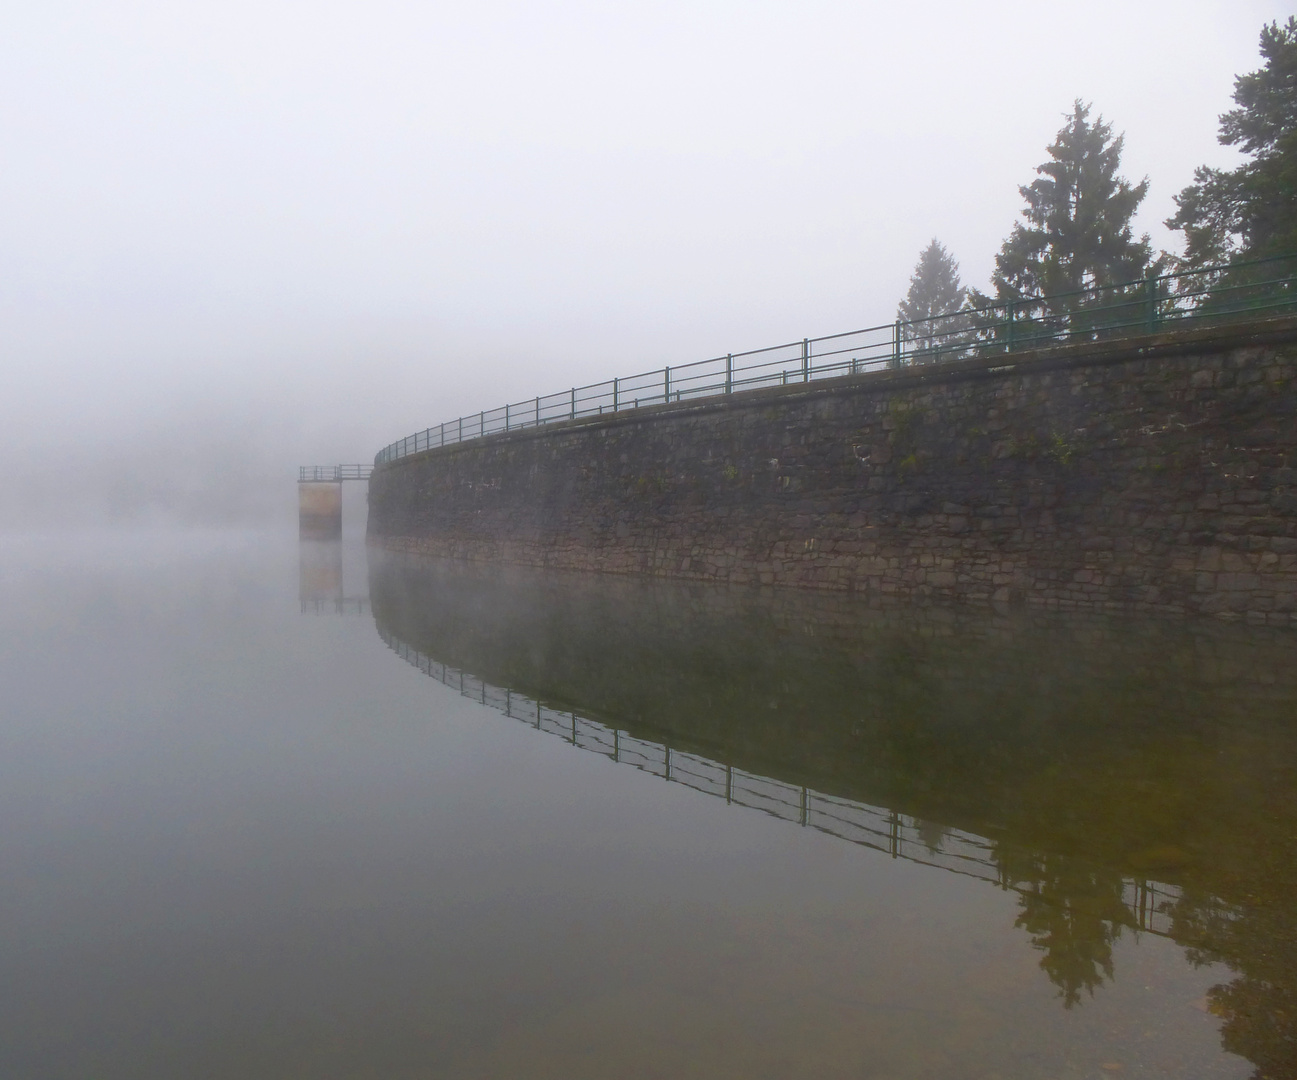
(246, 238)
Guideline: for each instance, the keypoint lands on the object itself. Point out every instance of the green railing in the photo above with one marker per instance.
(1216, 295)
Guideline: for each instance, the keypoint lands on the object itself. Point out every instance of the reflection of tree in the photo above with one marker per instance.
(931, 833)
(1259, 1007)
(1074, 913)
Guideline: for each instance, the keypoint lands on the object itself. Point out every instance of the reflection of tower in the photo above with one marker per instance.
(320, 580)
(319, 510)
(321, 573)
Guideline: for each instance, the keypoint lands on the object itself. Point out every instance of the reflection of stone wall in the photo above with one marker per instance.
(1149, 746)
(1078, 752)
(1153, 475)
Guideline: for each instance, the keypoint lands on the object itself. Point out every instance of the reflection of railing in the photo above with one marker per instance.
(1147, 903)
(343, 605)
(1215, 295)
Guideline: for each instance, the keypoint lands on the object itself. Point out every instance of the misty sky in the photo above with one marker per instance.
(264, 233)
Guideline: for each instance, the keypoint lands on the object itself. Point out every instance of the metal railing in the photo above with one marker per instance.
(1209, 296)
(324, 474)
(1148, 903)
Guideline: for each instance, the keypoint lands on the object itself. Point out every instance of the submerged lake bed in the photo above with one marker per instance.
(273, 810)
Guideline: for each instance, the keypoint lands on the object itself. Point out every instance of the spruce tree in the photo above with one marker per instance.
(1077, 229)
(1251, 211)
(934, 291)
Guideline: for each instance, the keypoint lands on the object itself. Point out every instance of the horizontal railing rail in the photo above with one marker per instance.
(1148, 904)
(1213, 295)
(324, 474)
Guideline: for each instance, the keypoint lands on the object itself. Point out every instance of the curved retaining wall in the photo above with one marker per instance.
(1153, 474)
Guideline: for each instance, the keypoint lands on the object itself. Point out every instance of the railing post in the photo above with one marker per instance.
(506, 417)
(666, 384)
(481, 424)
(1008, 307)
(1152, 304)
(538, 412)
(461, 430)
(615, 387)
(896, 343)
(442, 441)
(729, 371)
(806, 360)
(573, 416)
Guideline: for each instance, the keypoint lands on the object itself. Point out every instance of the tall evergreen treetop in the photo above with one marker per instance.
(934, 290)
(934, 286)
(1251, 211)
(1266, 117)
(1077, 229)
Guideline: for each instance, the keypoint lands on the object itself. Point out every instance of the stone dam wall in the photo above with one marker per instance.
(1155, 474)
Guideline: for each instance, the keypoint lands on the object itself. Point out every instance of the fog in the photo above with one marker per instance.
(244, 236)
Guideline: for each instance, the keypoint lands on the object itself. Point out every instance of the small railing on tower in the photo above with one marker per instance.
(330, 474)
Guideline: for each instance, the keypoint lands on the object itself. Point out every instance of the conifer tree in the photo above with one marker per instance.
(1251, 211)
(934, 290)
(1077, 229)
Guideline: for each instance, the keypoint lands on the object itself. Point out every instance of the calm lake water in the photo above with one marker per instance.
(270, 810)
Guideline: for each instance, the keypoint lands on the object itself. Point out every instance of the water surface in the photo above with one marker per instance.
(262, 818)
